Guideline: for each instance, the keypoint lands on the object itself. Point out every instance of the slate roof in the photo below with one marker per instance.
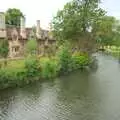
(44, 33)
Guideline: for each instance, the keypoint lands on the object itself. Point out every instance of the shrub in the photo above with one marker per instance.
(69, 62)
(4, 49)
(32, 67)
(49, 69)
(65, 58)
(79, 61)
(11, 77)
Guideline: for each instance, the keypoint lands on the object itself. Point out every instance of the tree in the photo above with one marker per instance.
(31, 47)
(13, 16)
(76, 22)
(108, 31)
(4, 50)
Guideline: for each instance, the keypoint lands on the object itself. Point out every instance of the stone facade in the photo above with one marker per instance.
(18, 36)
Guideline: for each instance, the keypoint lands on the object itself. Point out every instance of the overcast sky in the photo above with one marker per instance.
(45, 9)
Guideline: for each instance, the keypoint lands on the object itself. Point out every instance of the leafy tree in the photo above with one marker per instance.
(65, 56)
(77, 21)
(4, 49)
(13, 16)
(31, 47)
(32, 67)
(108, 31)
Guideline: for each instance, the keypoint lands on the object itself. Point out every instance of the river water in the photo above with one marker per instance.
(89, 95)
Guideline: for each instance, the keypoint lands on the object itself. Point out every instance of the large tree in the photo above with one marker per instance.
(108, 31)
(77, 21)
(13, 16)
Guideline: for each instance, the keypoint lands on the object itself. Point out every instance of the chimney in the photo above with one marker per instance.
(38, 30)
(2, 25)
(22, 28)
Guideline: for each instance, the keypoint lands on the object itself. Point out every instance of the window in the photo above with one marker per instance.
(15, 49)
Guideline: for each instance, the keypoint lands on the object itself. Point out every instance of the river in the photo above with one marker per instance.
(86, 95)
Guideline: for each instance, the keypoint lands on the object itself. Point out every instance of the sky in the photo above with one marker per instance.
(44, 10)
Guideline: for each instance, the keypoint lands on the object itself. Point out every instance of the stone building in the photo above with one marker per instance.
(18, 36)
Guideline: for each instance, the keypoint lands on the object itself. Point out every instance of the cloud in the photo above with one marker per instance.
(35, 9)
(44, 10)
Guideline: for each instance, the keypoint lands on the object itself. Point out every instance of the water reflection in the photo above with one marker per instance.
(83, 95)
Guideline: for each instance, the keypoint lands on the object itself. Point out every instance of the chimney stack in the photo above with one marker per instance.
(2, 25)
(22, 28)
(38, 30)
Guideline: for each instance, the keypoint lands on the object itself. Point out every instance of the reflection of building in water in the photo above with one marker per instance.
(18, 36)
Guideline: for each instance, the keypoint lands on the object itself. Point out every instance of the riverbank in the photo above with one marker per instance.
(112, 50)
(78, 96)
(18, 73)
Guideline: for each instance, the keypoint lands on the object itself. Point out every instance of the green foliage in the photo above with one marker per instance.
(12, 78)
(105, 33)
(13, 16)
(64, 57)
(32, 67)
(69, 62)
(108, 31)
(31, 47)
(80, 60)
(85, 14)
(4, 48)
(49, 69)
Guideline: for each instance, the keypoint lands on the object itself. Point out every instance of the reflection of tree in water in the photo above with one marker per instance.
(74, 97)
(94, 65)
(32, 90)
(74, 85)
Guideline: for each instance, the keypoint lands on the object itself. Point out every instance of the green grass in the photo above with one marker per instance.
(24, 71)
(19, 64)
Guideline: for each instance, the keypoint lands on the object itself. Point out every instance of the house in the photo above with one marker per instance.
(18, 36)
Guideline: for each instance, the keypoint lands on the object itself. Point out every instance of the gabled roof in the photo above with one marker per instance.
(44, 33)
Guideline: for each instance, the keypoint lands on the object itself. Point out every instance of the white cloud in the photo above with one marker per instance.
(35, 9)
(45, 9)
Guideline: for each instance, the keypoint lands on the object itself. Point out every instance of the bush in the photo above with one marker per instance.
(80, 60)
(49, 69)
(69, 62)
(11, 78)
(65, 57)
(32, 67)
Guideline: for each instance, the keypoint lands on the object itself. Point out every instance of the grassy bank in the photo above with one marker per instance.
(112, 50)
(31, 69)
